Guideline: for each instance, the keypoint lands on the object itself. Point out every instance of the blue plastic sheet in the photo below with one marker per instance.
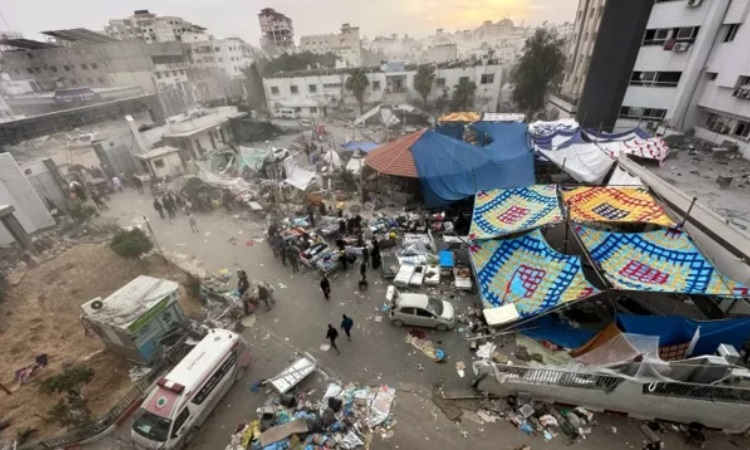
(364, 146)
(558, 331)
(674, 330)
(450, 170)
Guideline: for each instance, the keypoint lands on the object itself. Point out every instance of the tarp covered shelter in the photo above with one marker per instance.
(300, 178)
(603, 136)
(558, 331)
(550, 135)
(614, 205)
(526, 272)
(663, 260)
(584, 161)
(451, 170)
(363, 146)
(465, 117)
(620, 177)
(503, 117)
(247, 129)
(675, 330)
(395, 158)
(500, 212)
(654, 148)
(253, 158)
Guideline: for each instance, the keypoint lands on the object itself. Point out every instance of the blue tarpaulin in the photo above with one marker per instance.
(558, 331)
(674, 330)
(451, 170)
(452, 129)
(364, 146)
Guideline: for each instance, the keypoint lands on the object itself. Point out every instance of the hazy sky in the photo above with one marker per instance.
(226, 18)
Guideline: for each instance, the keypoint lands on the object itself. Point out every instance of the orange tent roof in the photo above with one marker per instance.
(395, 158)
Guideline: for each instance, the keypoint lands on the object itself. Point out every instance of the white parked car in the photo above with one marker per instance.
(419, 310)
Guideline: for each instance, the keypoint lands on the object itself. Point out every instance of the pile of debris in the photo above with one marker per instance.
(543, 419)
(346, 417)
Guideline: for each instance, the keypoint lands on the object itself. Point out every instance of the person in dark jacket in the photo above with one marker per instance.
(346, 324)
(332, 335)
(363, 271)
(264, 295)
(293, 255)
(325, 286)
(159, 208)
(243, 284)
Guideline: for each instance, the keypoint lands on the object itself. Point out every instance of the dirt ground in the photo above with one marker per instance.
(42, 315)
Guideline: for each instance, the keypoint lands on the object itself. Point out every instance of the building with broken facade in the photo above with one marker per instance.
(277, 31)
(346, 45)
(150, 28)
(317, 93)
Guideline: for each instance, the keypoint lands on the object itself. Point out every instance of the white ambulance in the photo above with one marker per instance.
(182, 400)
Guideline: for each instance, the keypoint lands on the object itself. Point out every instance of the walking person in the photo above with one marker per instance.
(117, 183)
(138, 184)
(346, 324)
(293, 256)
(97, 200)
(365, 254)
(193, 225)
(332, 335)
(283, 249)
(363, 271)
(159, 208)
(167, 202)
(325, 286)
(243, 284)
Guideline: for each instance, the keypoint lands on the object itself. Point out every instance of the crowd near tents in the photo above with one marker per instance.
(619, 237)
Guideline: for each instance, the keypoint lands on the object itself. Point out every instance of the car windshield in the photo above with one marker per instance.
(152, 426)
(435, 306)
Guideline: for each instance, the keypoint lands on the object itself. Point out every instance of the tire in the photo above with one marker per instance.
(190, 437)
(240, 374)
(398, 323)
(441, 327)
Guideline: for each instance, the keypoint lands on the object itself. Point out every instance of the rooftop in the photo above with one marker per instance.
(188, 125)
(203, 358)
(157, 152)
(79, 35)
(131, 301)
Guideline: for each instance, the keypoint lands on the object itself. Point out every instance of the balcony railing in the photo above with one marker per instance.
(742, 92)
(559, 378)
(698, 392)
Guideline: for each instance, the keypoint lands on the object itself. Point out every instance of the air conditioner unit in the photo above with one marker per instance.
(681, 47)
(694, 3)
(91, 307)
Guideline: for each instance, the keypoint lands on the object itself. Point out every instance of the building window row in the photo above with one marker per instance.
(658, 79)
(726, 125)
(667, 36)
(633, 112)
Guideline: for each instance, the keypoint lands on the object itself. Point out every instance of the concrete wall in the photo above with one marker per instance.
(172, 165)
(16, 190)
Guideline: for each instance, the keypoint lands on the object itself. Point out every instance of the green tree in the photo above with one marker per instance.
(536, 71)
(131, 244)
(357, 83)
(463, 94)
(423, 80)
(70, 380)
(441, 104)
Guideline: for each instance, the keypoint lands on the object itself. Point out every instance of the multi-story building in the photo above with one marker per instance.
(347, 45)
(217, 64)
(317, 93)
(580, 46)
(149, 27)
(76, 62)
(277, 31)
(682, 64)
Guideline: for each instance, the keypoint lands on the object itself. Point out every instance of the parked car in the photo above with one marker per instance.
(285, 113)
(419, 310)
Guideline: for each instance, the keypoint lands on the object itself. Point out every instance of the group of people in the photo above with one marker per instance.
(169, 203)
(243, 290)
(347, 323)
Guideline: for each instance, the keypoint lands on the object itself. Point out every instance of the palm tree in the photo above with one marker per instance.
(423, 80)
(357, 83)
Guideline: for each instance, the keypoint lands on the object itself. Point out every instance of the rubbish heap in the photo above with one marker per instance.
(345, 418)
(542, 419)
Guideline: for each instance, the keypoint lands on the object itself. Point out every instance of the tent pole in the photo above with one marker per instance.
(567, 224)
(687, 214)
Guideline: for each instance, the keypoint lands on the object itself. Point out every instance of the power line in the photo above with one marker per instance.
(7, 27)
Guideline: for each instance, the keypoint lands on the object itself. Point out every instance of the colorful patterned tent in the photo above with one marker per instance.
(664, 260)
(526, 272)
(614, 204)
(467, 117)
(654, 148)
(500, 212)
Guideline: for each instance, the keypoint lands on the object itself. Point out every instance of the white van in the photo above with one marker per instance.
(182, 400)
(285, 113)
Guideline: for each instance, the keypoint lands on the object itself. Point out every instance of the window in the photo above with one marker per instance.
(731, 32)
(212, 382)
(313, 88)
(332, 86)
(94, 66)
(313, 110)
(37, 70)
(158, 75)
(73, 81)
(274, 90)
(686, 33)
(89, 81)
(711, 75)
(410, 311)
(179, 421)
(101, 80)
(659, 79)
(742, 130)
(53, 69)
(182, 71)
(488, 78)
(84, 67)
(463, 80)
(30, 70)
(159, 163)
(424, 313)
(632, 112)
(294, 89)
(67, 68)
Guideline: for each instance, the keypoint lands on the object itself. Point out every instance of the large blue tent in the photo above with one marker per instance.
(451, 170)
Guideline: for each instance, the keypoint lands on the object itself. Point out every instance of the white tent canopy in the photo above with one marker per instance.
(584, 161)
(620, 177)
